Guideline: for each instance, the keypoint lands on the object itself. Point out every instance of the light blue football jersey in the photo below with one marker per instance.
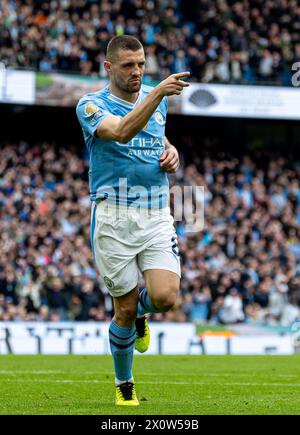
(125, 173)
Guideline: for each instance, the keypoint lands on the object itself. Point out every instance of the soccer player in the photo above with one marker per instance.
(132, 232)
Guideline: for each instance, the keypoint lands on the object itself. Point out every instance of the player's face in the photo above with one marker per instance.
(128, 69)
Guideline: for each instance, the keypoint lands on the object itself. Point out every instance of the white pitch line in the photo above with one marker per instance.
(37, 372)
(98, 373)
(251, 375)
(72, 381)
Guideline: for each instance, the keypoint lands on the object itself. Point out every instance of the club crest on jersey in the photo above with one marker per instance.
(91, 108)
(159, 118)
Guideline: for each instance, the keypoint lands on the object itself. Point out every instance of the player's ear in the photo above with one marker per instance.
(107, 66)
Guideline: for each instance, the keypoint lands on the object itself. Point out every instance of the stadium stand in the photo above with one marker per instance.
(244, 267)
(250, 41)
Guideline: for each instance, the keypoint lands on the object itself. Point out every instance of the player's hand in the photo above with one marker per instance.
(169, 160)
(172, 85)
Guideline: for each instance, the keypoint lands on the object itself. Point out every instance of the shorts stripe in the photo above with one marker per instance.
(93, 225)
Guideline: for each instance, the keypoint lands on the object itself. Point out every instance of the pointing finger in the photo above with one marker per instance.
(181, 74)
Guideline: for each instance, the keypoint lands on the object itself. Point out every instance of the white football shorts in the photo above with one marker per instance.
(126, 241)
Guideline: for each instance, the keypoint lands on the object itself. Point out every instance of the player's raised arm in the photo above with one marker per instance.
(124, 129)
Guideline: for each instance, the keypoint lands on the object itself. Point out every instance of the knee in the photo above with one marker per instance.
(166, 302)
(126, 315)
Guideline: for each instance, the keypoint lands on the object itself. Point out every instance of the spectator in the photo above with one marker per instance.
(243, 266)
(260, 42)
(232, 311)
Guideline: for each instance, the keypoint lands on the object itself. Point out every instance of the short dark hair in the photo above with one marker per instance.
(124, 42)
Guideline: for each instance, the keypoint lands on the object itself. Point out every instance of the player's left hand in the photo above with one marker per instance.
(169, 160)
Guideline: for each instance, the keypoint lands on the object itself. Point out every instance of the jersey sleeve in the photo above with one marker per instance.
(90, 114)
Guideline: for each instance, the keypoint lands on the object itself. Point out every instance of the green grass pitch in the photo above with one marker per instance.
(174, 385)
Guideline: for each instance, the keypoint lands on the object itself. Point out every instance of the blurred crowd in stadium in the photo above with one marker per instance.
(243, 267)
(245, 41)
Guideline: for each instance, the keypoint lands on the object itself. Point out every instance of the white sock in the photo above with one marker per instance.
(118, 382)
